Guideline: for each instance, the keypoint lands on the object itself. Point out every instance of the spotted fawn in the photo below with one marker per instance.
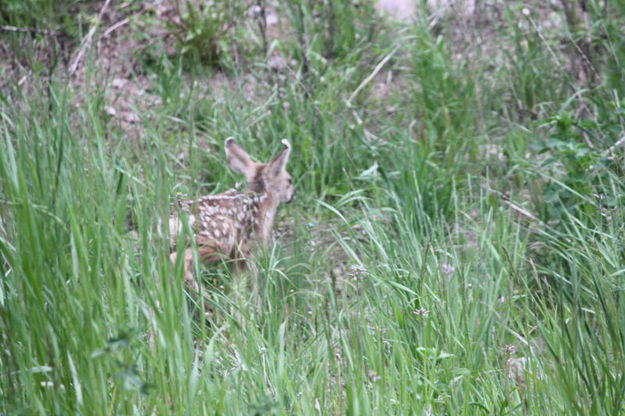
(228, 226)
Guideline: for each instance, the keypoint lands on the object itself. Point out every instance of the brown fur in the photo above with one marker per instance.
(229, 225)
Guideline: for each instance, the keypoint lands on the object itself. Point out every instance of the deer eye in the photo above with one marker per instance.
(290, 181)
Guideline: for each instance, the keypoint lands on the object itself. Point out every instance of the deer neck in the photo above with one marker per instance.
(265, 207)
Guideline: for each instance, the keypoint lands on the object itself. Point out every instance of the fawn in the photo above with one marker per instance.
(227, 226)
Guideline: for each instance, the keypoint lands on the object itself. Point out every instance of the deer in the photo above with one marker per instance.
(231, 225)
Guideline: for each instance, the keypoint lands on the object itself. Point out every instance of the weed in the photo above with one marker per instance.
(202, 29)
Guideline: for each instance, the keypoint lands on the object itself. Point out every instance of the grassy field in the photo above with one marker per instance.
(456, 246)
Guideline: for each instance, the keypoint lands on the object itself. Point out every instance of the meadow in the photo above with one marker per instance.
(455, 248)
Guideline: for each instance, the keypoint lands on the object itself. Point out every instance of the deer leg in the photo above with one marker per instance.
(245, 264)
(241, 267)
(187, 265)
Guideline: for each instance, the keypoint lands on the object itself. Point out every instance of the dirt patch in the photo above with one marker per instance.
(115, 69)
(126, 38)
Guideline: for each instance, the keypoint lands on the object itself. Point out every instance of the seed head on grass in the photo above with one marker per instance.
(422, 312)
(509, 349)
(373, 376)
(448, 269)
(356, 271)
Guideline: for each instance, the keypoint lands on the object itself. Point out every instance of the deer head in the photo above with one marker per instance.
(270, 178)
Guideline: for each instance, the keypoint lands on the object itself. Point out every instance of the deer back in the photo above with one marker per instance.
(228, 222)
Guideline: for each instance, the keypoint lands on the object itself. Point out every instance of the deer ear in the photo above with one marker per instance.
(279, 163)
(238, 159)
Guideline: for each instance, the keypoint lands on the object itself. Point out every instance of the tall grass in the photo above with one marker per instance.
(467, 262)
